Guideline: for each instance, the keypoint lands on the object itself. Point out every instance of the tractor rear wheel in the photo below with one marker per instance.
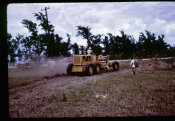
(115, 66)
(69, 69)
(97, 68)
(89, 69)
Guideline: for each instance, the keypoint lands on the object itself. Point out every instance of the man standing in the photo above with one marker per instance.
(89, 51)
(132, 65)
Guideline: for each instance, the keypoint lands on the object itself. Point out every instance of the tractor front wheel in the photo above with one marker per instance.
(69, 69)
(89, 69)
(97, 68)
(115, 66)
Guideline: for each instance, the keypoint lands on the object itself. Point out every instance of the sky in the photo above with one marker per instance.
(102, 17)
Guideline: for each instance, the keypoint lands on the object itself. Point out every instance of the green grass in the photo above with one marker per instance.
(146, 94)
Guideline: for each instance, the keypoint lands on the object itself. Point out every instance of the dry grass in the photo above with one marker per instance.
(147, 94)
(150, 93)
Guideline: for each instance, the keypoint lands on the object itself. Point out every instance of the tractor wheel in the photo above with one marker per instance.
(69, 69)
(115, 66)
(89, 69)
(97, 68)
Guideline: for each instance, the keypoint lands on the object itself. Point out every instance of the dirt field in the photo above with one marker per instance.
(59, 95)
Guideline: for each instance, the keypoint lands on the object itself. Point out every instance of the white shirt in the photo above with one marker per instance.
(89, 52)
(132, 63)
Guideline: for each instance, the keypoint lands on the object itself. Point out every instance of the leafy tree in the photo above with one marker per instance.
(106, 44)
(66, 47)
(161, 45)
(123, 45)
(114, 45)
(170, 51)
(58, 46)
(151, 46)
(148, 46)
(86, 34)
(93, 41)
(32, 27)
(48, 43)
(75, 48)
(32, 44)
(128, 47)
(49, 39)
(17, 43)
(35, 39)
(10, 48)
(26, 45)
(68, 44)
(82, 49)
(13, 48)
(95, 44)
(44, 22)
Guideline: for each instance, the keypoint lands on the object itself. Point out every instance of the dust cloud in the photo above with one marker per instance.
(51, 67)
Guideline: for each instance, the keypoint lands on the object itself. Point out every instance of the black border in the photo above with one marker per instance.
(4, 64)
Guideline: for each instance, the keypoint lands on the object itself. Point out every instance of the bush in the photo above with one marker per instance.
(64, 98)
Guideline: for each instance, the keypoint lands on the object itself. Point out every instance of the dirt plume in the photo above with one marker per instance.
(50, 67)
(54, 67)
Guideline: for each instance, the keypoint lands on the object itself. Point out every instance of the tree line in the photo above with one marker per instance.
(51, 44)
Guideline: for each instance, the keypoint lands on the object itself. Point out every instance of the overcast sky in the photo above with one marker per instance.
(102, 17)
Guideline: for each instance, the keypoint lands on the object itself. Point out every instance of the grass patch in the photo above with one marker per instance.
(149, 93)
(64, 98)
(146, 94)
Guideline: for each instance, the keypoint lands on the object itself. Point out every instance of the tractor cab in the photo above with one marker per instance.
(84, 59)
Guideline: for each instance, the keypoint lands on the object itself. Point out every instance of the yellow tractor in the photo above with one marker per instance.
(91, 64)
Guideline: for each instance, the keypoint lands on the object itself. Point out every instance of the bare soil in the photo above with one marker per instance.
(28, 96)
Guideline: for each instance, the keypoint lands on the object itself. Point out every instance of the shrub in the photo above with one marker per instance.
(64, 98)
